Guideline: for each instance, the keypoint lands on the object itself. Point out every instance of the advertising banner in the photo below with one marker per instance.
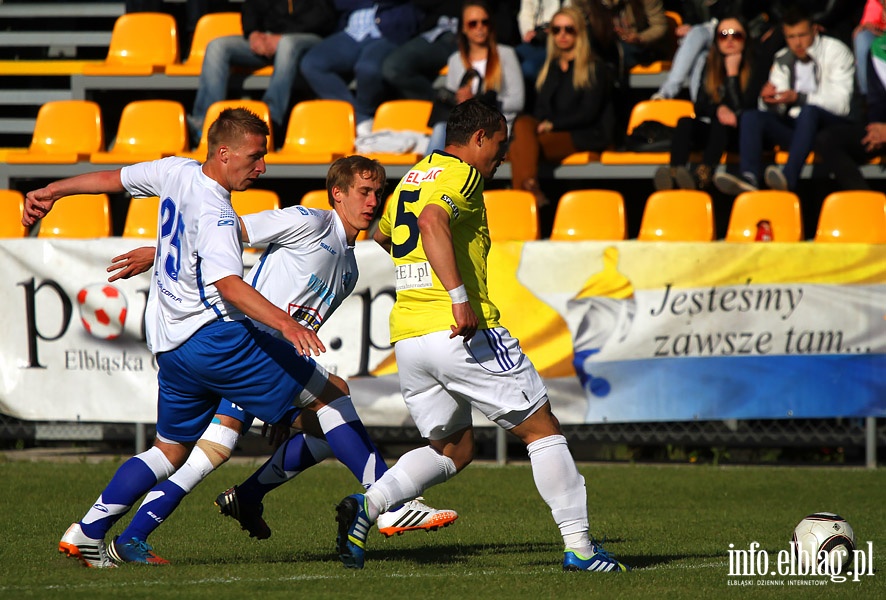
(627, 331)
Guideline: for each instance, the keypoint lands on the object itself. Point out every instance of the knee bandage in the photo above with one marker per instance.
(217, 443)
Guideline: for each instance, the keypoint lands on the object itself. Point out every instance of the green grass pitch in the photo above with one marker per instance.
(673, 524)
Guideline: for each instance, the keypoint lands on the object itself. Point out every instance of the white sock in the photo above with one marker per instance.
(195, 470)
(563, 489)
(414, 472)
(157, 463)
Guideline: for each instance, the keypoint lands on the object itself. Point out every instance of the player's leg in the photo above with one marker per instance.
(184, 409)
(343, 429)
(300, 451)
(272, 378)
(212, 450)
(509, 391)
(84, 539)
(439, 416)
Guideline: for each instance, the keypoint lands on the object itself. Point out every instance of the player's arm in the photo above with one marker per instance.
(382, 240)
(39, 202)
(436, 236)
(138, 261)
(255, 306)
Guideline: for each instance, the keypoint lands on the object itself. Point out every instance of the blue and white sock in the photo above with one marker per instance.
(350, 441)
(296, 454)
(165, 497)
(134, 477)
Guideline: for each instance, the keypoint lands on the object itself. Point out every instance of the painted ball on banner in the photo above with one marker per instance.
(102, 310)
(821, 537)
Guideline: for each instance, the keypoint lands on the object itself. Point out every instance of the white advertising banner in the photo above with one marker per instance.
(627, 331)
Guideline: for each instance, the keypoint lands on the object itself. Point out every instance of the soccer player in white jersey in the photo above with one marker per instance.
(308, 269)
(452, 353)
(196, 323)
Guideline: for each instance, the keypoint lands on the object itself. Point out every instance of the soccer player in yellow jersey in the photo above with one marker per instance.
(452, 354)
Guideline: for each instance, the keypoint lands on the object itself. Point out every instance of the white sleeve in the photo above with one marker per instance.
(286, 226)
(219, 250)
(836, 86)
(145, 178)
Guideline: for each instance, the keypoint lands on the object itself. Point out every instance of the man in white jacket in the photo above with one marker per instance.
(810, 87)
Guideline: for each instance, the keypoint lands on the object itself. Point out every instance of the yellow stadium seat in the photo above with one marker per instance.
(148, 130)
(12, 205)
(78, 216)
(512, 215)
(66, 132)
(590, 215)
(781, 209)
(319, 131)
(853, 217)
(212, 113)
(141, 218)
(678, 216)
(142, 43)
(668, 112)
(316, 199)
(253, 201)
(209, 27)
(401, 115)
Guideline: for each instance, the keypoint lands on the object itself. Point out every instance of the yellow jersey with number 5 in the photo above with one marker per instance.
(423, 304)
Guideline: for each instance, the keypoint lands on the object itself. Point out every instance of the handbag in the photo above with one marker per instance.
(650, 136)
(444, 101)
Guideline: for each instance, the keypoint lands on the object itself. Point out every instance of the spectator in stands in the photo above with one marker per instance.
(810, 87)
(573, 108)
(626, 33)
(696, 35)
(412, 69)
(533, 20)
(371, 31)
(872, 25)
(843, 147)
(723, 96)
(481, 67)
(504, 21)
(275, 32)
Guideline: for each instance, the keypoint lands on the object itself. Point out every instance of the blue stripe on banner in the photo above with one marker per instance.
(760, 387)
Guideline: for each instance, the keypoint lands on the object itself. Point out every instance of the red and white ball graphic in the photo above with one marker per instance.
(102, 310)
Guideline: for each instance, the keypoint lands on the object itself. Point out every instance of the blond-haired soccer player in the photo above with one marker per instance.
(452, 353)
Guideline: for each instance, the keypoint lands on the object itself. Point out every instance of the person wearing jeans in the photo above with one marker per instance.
(371, 32)
(688, 62)
(810, 88)
(275, 32)
(412, 69)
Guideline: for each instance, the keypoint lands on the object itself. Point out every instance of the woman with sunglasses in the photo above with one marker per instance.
(573, 108)
(480, 67)
(725, 92)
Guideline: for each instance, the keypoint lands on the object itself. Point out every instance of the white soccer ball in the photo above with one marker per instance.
(824, 536)
(102, 310)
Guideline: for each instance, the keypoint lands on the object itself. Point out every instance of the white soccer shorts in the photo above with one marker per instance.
(442, 378)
